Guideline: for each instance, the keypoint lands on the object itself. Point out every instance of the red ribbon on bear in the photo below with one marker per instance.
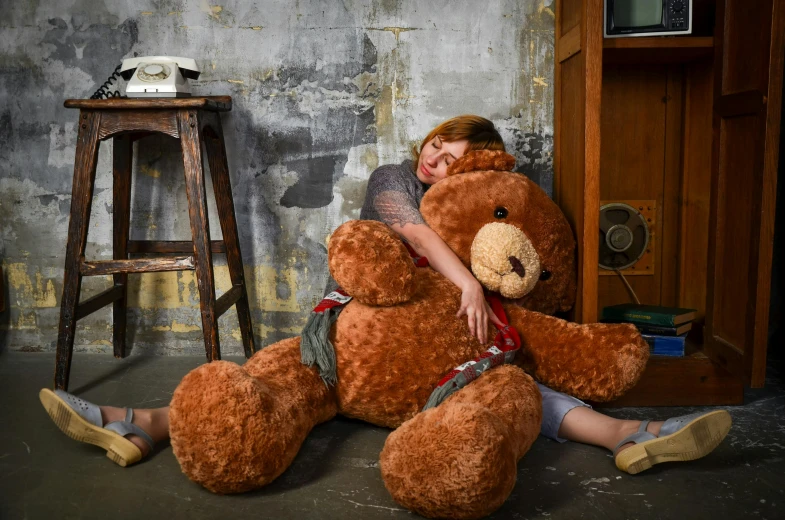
(505, 346)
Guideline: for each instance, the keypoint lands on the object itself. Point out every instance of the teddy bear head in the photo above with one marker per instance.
(506, 229)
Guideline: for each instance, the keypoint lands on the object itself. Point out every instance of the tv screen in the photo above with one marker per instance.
(637, 13)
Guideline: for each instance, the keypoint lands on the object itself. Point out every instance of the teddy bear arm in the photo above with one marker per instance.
(459, 459)
(596, 361)
(370, 263)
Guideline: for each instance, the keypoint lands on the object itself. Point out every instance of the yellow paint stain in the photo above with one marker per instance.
(162, 328)
(156, 291)
(262, 288)
(212, 64)
(541, 8)
(540, 82)
(102, 342)
(237, 335)
(170, 13)
(150, 171)
(183, 327)
(237, 81)
(214, 12)
(40, 294)
(26, 321)
(395, 30)
(264, 331)
(147, 13)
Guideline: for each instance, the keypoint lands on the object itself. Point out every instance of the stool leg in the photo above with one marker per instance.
(86, 157)
(219, 170)
(121, 215)
(190, 140)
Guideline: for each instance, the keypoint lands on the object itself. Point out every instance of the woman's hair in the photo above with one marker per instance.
(480, 133)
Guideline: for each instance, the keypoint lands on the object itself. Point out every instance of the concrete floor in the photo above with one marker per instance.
(44, 474)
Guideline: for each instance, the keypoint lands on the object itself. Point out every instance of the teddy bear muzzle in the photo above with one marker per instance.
(504, 260)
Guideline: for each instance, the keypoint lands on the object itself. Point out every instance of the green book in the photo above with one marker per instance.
(649, 314)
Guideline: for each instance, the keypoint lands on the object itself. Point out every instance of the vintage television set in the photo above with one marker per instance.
(624, 18)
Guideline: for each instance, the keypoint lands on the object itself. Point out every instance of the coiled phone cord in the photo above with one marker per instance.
(103, 91)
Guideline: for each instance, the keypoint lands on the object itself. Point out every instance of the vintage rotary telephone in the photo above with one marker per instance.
(152, 76)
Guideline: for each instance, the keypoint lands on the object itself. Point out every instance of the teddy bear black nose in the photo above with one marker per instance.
(517, 266)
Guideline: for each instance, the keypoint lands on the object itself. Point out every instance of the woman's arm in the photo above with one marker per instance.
(427, 243)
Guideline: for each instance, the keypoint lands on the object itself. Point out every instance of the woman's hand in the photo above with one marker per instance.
(477, 310)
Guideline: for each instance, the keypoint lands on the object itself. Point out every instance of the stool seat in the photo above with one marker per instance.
(196, 122)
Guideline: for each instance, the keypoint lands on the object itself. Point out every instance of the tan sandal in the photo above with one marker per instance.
(688, 437)
(82, 421)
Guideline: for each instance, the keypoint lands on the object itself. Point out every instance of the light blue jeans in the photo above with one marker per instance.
(555, 406)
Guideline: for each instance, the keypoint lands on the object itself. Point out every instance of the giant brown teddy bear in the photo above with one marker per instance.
(236, 428)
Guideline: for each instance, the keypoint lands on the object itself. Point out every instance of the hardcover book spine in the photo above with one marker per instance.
(638, 317)
(665, 345)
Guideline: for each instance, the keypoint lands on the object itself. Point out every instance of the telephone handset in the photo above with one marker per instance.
(153, 76)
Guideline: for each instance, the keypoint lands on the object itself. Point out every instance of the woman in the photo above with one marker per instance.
(393, 197)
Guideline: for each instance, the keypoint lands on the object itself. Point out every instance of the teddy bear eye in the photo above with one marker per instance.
(500, 212)
(545, 274)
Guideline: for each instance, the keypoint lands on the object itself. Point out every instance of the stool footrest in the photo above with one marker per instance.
(138, 265)
(99, 301)
(170, 246)
(227, 299)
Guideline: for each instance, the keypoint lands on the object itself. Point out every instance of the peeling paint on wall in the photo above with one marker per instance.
(324, 92)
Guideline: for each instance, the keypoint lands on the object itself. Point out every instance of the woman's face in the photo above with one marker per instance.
(436, 156)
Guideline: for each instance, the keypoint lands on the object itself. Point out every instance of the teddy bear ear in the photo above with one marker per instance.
(482, 160)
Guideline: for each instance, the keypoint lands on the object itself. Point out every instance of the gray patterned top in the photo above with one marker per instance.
(393, 197)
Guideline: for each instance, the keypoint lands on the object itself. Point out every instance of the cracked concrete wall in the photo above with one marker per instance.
(324, 91)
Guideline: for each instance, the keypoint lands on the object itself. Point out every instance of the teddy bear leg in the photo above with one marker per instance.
(459, 460)
(235, 428)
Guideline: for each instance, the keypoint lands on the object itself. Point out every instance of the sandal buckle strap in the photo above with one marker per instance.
(126, 427)
(640, 436)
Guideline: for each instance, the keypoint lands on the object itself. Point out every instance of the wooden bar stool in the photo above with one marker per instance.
(194, 121)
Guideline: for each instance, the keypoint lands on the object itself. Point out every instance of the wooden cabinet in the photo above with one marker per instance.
(690, 125)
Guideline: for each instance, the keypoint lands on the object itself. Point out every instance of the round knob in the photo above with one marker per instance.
(677, 6)
(153, 69)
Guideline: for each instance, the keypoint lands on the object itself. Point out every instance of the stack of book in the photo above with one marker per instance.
(664, 328)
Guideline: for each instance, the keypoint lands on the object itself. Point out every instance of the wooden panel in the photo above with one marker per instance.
(689, 381)
(670, 212)
(746, 35)
(749, 59)
(212, 103)
(739, 185)
(696, 189)
(139, 265)
(570, 15)
(569, 44)
(115, 122)
(632, 159)
(749, 102)
(656, 50)
(676, 43)
(577, 143)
